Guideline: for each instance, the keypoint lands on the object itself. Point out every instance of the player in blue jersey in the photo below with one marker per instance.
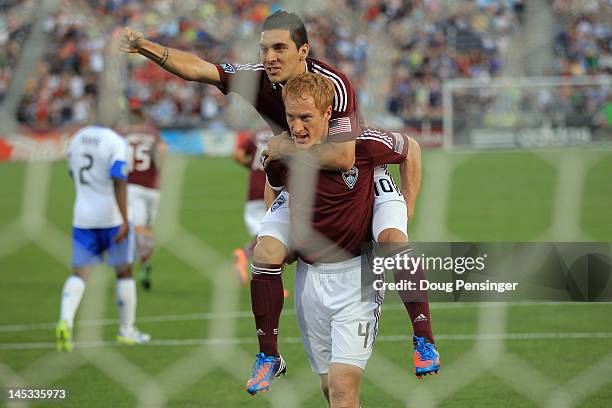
(97, 159)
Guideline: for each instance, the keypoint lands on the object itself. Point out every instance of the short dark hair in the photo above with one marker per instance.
(281, 20)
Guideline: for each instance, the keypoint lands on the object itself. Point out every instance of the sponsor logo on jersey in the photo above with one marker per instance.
(229, 68)
(350, 177)
(280, 200)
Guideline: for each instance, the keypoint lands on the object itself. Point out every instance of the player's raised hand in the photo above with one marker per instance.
(130, 40)
(123, 232)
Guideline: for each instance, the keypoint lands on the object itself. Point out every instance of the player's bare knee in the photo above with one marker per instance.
(123, 271)
(141, 229)
(81, 272)
(269, 250)
(392, 235)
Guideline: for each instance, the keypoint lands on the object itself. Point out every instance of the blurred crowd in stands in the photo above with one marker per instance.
(427, 42)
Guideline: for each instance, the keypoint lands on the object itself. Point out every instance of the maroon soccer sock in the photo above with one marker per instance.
(267, 300)
(416, 302)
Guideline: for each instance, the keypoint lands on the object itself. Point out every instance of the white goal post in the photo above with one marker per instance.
(525, 111)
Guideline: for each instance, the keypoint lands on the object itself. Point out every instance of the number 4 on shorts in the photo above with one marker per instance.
(364, 333)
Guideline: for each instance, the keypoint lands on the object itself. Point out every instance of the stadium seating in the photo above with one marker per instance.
(432, 40)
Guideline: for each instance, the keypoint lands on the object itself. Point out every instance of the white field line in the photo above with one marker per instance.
(298, 340)
(12, 328)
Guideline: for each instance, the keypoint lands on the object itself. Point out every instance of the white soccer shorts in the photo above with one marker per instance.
(337, 325)
(390, 210)
(254, 212)
(143, 203)
(277, 221)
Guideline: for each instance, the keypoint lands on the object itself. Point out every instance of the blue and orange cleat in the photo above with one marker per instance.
(426, 357)
(265, 370)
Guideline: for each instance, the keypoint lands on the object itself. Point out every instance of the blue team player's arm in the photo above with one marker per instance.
(69, 168)
(119, 174)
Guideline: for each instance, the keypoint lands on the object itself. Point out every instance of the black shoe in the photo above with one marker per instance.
(145, 275)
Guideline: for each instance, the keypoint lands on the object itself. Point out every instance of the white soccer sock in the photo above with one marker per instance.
(126, 301)
(71, 298)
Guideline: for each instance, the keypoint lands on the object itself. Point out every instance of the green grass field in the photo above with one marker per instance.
(199, 316)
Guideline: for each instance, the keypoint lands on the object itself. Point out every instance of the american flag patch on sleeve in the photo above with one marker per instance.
(399, 143)
(340, 125)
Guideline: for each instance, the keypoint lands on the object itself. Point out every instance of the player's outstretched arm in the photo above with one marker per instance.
(180, 63)
(331, 156)
(120, 187)
(410, 174)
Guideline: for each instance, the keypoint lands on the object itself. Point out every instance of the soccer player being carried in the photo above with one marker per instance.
(98, 158)
(147, 152)
(337, 310)
(284, 54)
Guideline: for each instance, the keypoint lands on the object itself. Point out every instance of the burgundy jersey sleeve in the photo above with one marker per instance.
(239, 78)
(384, 147)
(345, 123)
(277, 174)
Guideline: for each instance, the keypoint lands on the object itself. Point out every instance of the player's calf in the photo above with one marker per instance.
(344, 382)
(395, 243)
(267, 294)
(72, 293)
(145, 243)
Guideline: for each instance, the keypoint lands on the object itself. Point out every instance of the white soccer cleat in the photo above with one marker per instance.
(132, 336)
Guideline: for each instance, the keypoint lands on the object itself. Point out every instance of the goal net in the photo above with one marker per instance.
(525, 112)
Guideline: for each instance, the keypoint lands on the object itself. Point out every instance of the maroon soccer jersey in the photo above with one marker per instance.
(142, 140)
(253, 144)
(345, 124)
(342, 209)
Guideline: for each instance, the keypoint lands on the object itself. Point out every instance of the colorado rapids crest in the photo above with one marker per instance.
(350, 177)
